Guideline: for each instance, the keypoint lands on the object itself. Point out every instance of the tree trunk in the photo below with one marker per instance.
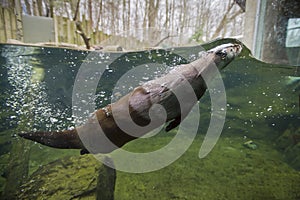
(28, 7)
(136, 15)
(82, 34)
(90, 11)
(34, 6)
(99, 15)
(51, 4)
(123, 15)
(167, 22)
(19, 20)
(40, 7)
(152, 12)
(128, 16)
(223, 22)
(76, 11)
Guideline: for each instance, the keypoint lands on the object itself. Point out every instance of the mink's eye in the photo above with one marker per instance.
(222, 53)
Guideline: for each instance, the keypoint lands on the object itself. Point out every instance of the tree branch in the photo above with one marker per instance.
(168, 36)
(76, 11)
(82, 34)
(223, 21)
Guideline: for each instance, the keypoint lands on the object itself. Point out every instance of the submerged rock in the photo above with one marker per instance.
(74, 177)
(288, 142)
(250, 145)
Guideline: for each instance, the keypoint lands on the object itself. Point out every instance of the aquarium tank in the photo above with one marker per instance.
(258, 149)
(241, 140)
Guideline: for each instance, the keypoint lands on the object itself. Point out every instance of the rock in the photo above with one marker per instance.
(250, 145)
(73, 177)
(289, 144)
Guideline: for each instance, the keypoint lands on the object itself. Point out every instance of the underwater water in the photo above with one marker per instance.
(256, 157)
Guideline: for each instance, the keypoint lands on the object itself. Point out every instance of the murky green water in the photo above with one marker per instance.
(262, 106)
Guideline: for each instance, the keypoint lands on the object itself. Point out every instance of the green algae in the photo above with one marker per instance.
(230, 171)
(72, 177)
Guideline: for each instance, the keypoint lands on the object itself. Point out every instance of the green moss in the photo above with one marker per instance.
(42, 155)
(230, 171)
(68, 178)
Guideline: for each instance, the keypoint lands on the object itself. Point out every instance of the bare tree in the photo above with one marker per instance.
(90, 12)
(167, 19)
(98, 14)
(28, 7)
(152, 12)
(225, 19)
(206, 18)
